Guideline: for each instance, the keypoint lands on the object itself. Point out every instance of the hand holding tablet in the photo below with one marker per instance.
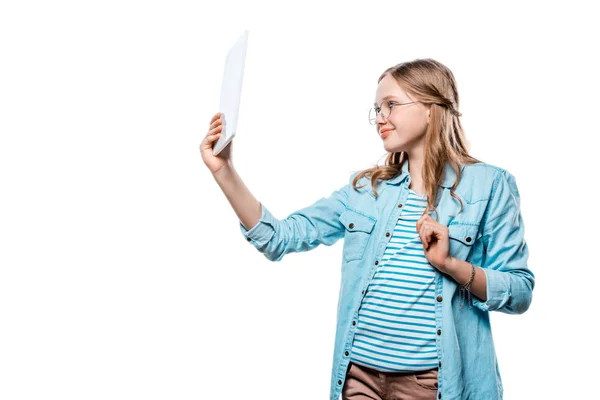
(214, 163)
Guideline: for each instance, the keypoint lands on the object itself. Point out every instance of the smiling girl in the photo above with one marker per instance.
(422, 233)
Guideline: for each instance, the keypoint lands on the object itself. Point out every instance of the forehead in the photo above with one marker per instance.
(389, 88)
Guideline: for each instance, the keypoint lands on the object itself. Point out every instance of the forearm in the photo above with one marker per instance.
(460, 271)
(245, 205)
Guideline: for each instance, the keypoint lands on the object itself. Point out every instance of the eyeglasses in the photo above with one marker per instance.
(385, 110)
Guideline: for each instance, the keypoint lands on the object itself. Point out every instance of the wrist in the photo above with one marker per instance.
(459, 270)
(225, 170)
(452, 266)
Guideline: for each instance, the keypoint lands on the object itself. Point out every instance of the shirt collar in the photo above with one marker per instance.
(447, 182)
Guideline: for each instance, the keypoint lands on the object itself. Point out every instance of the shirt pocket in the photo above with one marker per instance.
(462, 237)
(358, 232)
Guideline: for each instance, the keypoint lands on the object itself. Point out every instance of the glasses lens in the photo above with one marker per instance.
(372, 116)
(384, 111)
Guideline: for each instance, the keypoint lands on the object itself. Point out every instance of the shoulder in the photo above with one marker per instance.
(482, 170)
(482, 179)
(490, 172)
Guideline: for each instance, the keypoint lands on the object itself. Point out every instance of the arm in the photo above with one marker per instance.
(509, 282)
(460, 271)
(302, 230)
(241, 199)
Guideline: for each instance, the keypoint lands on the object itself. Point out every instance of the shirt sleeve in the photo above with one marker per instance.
(302, 230)
(509, 281)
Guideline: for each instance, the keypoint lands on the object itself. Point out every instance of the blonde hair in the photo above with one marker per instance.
(430, 82)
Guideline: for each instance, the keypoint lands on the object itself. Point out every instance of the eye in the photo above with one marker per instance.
(391, 103)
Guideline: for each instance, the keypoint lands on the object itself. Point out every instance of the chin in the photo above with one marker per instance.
(393, 147)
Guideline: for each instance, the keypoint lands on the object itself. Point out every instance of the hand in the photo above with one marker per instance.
(214, 163)
(436, 243)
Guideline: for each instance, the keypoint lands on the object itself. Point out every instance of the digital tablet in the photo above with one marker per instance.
(231, 91)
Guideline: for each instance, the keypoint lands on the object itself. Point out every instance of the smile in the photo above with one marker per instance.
(385, 133)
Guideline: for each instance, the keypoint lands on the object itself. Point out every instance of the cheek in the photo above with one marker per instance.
(405, 128)
(412, 125)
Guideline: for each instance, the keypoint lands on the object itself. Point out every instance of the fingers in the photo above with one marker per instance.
(210, 138)
(214, 130)
(215, 117)
(213, 137)
(216, 123)
(426, 226)
(426, 235)
(422, 220)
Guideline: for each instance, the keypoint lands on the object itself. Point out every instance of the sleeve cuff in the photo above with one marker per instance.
(260, 234)
(497, 290)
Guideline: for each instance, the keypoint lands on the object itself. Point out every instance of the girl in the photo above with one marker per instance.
(433, 241)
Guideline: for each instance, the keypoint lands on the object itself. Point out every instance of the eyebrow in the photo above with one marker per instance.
(390, 96)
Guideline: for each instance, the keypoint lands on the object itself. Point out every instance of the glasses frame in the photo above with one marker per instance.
(391, 107)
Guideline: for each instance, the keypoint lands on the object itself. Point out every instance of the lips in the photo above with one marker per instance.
(385, 133)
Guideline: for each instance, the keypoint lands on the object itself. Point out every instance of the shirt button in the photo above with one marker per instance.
(439, 332)
(399, 205)
(353, 322)
(468, 239)
(387, 234)
(439, 396)
(439, 298)
(376, 262)
(440, 364)
(249, 239)
(363, 292)
(339, 382)
(346, 353)
(351, 226)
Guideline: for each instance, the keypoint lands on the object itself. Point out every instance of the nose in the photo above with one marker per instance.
(379, 120)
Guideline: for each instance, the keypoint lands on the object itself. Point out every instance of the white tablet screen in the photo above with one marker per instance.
(231, 91)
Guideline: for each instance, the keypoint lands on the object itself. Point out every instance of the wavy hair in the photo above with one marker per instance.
(430, 82)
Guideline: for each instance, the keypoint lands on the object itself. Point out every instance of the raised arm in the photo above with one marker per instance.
(302, 230)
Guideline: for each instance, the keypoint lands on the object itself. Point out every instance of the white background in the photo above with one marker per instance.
(123, 273)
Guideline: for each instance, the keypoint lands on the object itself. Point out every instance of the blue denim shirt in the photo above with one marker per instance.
(488, 232)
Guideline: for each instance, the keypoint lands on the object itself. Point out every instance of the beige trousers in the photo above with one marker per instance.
(364, 383)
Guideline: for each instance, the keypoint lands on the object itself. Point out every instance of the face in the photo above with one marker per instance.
(404, 129)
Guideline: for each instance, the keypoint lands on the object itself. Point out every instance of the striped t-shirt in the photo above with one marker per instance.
(396, 320)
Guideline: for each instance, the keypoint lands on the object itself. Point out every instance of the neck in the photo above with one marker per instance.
(415, 168)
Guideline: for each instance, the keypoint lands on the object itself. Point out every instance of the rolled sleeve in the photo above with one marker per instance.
(497, 289)
(260, 234)
(509, 281)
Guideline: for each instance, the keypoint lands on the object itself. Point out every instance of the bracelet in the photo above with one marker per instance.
(468, 284)
(465, 289)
